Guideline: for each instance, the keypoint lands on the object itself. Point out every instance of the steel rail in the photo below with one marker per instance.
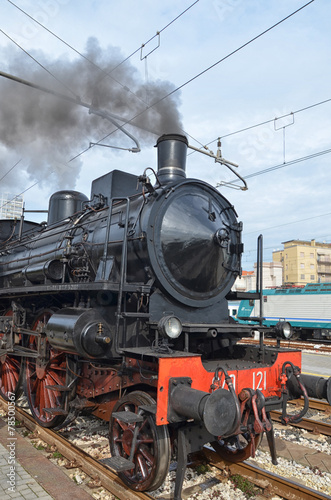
(308, 424)
(109, 480)
(314, 404)
(291, 344)
(284, 487)
(281, 486)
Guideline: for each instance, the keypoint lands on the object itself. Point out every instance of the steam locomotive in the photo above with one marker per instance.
(118, 306)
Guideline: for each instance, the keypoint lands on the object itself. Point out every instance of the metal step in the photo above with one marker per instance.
(60, 388)
(55, 411)
(25, 352)
(118, 464)
(134, 315)
(19, 351)
(148, 409)
(127, 416)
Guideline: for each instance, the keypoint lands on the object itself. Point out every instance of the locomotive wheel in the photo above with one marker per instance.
(41, 376)
(152, 452)
(236, 449)
(11, 373)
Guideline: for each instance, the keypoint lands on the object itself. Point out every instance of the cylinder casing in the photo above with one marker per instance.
(79, 331)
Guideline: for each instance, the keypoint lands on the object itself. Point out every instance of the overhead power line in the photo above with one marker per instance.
(75, 50)
(28, 188)
(265, 122)
(207, 69)
(37, 62)
(288, 163)
(234, 52)
(154, 36)
(184, 84)
(12, 168)
(273, 119)
(20, 194)
(288, 223)
(106, 73)
(276, 167)
(188, 81)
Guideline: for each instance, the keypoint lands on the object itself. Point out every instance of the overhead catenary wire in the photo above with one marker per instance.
(287, 223)
(202, 72)
(29, 187)
(251, 258)
(205, 71)
(82, 55)
(234, 52)
(20, 194)
(281, 165)
(106, 73)
(288, 163)
(184, 84)
(39, 63)
(265, 122)
(77, 52)
(154, 36)
(203, 146)
(8, 171)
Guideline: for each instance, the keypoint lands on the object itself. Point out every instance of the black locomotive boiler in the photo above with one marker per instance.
(118, 306)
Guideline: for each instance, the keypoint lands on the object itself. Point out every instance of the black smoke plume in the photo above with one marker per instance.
(46, 132)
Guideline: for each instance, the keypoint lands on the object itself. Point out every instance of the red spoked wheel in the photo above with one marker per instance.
(152, 452)
(44, 379)
(237, 448)
(11, 372)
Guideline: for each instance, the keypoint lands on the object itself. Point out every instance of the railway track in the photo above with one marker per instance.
(314, 404)
(309, 424)
(85, 462)
(291, 344)
(284, 487)
(264, 480)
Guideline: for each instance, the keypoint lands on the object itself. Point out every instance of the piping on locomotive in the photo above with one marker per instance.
(119, 307)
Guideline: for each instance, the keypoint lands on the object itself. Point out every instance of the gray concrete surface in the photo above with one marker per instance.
(316, 364)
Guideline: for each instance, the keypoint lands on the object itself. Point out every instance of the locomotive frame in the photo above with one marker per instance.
(118, 307)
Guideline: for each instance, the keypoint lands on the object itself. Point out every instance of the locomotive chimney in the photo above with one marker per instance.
(171, 158)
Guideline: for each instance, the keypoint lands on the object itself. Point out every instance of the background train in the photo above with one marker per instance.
(307, 309)
(119, 307)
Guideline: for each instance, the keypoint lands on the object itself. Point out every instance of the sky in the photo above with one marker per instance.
(267, 97)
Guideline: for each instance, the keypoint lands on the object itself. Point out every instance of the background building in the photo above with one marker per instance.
(272, 277)
(304, 262)
(11, 207)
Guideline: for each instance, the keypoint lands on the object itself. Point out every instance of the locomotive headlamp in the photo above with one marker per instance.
(170, 326)
(284, 329)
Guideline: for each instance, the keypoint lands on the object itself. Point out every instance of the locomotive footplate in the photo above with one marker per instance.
(154, 352)
(8, 292)
(236, 328)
